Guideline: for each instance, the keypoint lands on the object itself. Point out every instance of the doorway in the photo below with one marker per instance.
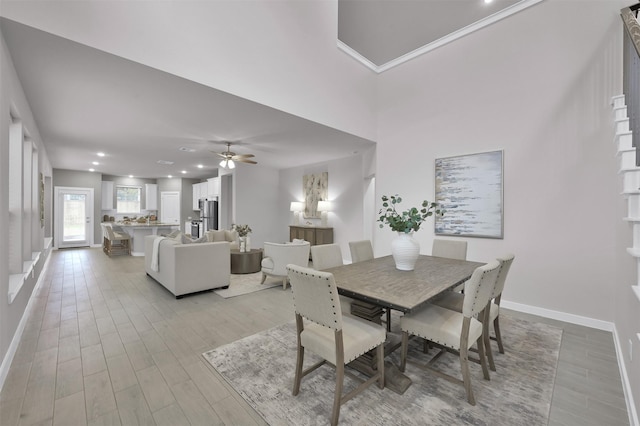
(73, 217)
(170, 207)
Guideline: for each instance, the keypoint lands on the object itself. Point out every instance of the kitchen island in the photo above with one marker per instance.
(137, 232)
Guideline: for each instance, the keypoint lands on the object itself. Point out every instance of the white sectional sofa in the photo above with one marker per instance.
(188, 268)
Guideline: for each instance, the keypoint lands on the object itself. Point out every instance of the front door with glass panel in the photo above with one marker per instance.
(74, 217)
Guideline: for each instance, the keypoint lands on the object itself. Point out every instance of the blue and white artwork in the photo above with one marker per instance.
(469, 188)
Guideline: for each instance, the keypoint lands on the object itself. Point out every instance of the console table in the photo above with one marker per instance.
(316, 235)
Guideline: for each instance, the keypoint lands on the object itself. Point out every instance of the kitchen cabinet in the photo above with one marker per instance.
(316, 235)
(107, 195)
(199, 191)
(213, 187)
(151, 192)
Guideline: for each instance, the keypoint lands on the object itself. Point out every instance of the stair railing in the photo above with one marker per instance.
(631, 71)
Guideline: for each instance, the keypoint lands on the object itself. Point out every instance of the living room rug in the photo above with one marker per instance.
(261, 368)
(246, 283)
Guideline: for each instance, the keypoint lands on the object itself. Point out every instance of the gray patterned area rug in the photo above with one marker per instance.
(247, 283)
(261, 367)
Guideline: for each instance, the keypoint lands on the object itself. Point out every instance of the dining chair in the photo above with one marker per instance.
(327, 256)
(361, 250)
(452, 250)
(322, 329)
(451, 330)
(494, 310)
(117, 242)
(452, 300)
(277, 256)
(449, 248)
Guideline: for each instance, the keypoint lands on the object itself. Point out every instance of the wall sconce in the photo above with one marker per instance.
(296, 207)
(323, 208)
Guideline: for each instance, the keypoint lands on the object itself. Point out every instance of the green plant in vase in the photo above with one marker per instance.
(405, 249)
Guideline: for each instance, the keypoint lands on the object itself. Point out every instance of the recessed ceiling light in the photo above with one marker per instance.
(184, 172)
(185, 149)
(169, 176)
(92, 170)
(200, 166)
(95, 163)
(101, 154)
(488, 1)
(165, 162)
(130, 176)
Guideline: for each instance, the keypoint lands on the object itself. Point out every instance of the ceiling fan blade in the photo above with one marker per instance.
(219, 154)
(244, 160)
(243, 156)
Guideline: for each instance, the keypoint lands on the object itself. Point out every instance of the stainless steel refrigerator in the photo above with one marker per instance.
(209, 214)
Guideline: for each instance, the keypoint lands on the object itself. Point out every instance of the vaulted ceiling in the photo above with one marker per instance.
(86, 100)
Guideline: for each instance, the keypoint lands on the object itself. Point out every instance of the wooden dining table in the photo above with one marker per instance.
(378, 281)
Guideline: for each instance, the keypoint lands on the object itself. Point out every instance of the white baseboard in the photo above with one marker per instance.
(593, 323)
(13, 347)
(626, 386)
(557, 315)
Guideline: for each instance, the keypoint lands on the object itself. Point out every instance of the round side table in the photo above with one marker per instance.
(246, 262)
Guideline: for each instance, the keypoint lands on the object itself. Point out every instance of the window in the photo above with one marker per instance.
(128, 199)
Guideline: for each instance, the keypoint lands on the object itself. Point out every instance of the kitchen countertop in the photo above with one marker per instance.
(141, 225)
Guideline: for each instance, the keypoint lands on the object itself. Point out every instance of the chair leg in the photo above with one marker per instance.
(335, 414)
(380, 355)
(466, 376)
(300, 356)
(264, 277)
(487, 346)
(483, 359)
(298, 376)
(496, 328)
(404, 350)
(284, 283)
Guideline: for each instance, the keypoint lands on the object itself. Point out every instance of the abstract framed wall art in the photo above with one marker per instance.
(470, 189)
(315, 188)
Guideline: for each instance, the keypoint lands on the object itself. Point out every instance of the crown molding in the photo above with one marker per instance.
(441, 41)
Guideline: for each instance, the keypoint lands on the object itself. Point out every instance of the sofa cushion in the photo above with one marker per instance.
(267, 263)
(202, 239)
(215, 236)
(231, 235)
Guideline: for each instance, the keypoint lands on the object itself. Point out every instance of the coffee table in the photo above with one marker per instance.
(246, 262)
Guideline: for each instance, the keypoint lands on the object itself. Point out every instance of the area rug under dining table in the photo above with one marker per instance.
(261, 368)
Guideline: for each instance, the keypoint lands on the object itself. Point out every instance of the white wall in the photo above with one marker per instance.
(256, 200)
(12, 96)
(537, 85)
(346, 192)
(270, 52)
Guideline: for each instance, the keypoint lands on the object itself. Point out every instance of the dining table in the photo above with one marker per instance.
(377, 281)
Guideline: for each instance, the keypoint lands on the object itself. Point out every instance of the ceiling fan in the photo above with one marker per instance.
(229, 157)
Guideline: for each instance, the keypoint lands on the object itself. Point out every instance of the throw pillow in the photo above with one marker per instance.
(298, 241)
(178, 237)
(185, 240)
(173, 234)
(202, 239)
(214, 236)
(231, 235)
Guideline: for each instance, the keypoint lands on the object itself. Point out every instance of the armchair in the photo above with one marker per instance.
(278, 256)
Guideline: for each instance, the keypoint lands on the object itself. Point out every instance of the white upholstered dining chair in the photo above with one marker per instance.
(327, 256)
(452, 300)
(452, 250)
(322, 329)
(452, 330)
(361, 250)
(277, 256)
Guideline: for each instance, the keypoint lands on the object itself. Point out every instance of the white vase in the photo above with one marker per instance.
(405, 250)
(243, 244)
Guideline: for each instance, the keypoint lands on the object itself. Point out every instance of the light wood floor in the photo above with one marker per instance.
(105, 344)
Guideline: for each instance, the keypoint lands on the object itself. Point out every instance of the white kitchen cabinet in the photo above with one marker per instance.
(107, 195)
(199, 191)
(213, 187)
(151, 192)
